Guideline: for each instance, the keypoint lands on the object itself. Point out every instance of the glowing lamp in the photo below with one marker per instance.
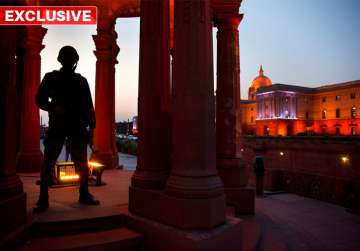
(345, 159)
(282, 153)
(94, 164)
(63, 176)
(64, 173)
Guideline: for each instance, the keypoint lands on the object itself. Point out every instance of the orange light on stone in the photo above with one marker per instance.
(95, 164)
(65, 177)
(67, 174)
(345, 159)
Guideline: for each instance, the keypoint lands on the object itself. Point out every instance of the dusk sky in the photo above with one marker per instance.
(305, 42)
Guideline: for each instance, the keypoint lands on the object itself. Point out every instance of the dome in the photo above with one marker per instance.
(261, 80)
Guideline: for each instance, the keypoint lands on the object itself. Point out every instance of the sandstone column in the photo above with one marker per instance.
(30, 157)
(115, 52)
(228, 118)
(154, 144)
(106, 53)
(12, 197)
(194, 181)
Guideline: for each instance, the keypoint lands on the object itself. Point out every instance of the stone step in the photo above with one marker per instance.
(56, 228)
(115, 239)
(76, 222)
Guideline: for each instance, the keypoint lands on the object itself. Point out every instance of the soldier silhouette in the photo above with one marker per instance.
(66, 96)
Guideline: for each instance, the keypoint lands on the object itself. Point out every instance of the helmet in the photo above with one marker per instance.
(68, 55)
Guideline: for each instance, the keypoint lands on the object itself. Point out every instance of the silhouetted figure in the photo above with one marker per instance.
(66, 96)
(259, 169)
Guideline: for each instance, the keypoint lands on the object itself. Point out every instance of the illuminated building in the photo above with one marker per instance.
(287, 110)
(135, 125)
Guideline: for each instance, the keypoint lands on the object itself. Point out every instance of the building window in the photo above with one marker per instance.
(306, 100)
(353, 112)
(324, 99)
(337, 113)
(252, 108)
(266, 131)
(337, 97)
(287, 114)
(353, 131)
(337, 131)
(323, 114)
(352, 95)
(307, 115)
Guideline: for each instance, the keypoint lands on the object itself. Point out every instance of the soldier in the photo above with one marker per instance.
(66, 96)
(259, 169)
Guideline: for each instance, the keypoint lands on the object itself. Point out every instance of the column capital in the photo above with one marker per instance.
(104, 41)
(106, 46)
(227, 20)
(106, 35)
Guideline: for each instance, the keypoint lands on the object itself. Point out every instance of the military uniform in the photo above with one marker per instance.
(69, 92)
(67, 98)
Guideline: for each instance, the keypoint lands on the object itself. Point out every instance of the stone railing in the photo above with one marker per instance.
(324, 168)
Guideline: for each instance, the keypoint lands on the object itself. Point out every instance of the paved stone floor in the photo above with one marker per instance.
(64, 199)
(288, 221)
(306, 224)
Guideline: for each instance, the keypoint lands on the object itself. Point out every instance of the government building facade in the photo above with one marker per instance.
(290, 110)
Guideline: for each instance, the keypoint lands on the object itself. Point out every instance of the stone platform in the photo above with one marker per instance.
(66, 216)
(287, 221)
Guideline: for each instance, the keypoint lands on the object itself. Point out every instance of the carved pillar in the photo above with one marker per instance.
(115, 52)
(30, 157)
(228, 126)
(193, 177)
(231, 167)
(106, 53)
(154, 144)
(12, 197)
(193, 197)
(20, 53)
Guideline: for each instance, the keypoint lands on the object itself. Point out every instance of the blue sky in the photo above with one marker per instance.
(304, 42)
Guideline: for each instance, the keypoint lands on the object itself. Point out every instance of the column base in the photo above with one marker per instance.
(232, 172)
(205, 213)
(106, 159)
(29, 161)
(12, 213)
(149, 179)
(242, 199)
(228, 237)
(235, 176)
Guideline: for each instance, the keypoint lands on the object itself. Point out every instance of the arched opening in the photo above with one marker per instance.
(80, 38)
(126, 89)
(289, 130)
(266, 130)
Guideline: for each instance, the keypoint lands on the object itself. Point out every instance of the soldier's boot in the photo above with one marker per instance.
(43, 202)
(85, 196)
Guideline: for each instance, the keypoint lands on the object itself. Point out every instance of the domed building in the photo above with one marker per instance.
(259, 81)
(287, 110)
